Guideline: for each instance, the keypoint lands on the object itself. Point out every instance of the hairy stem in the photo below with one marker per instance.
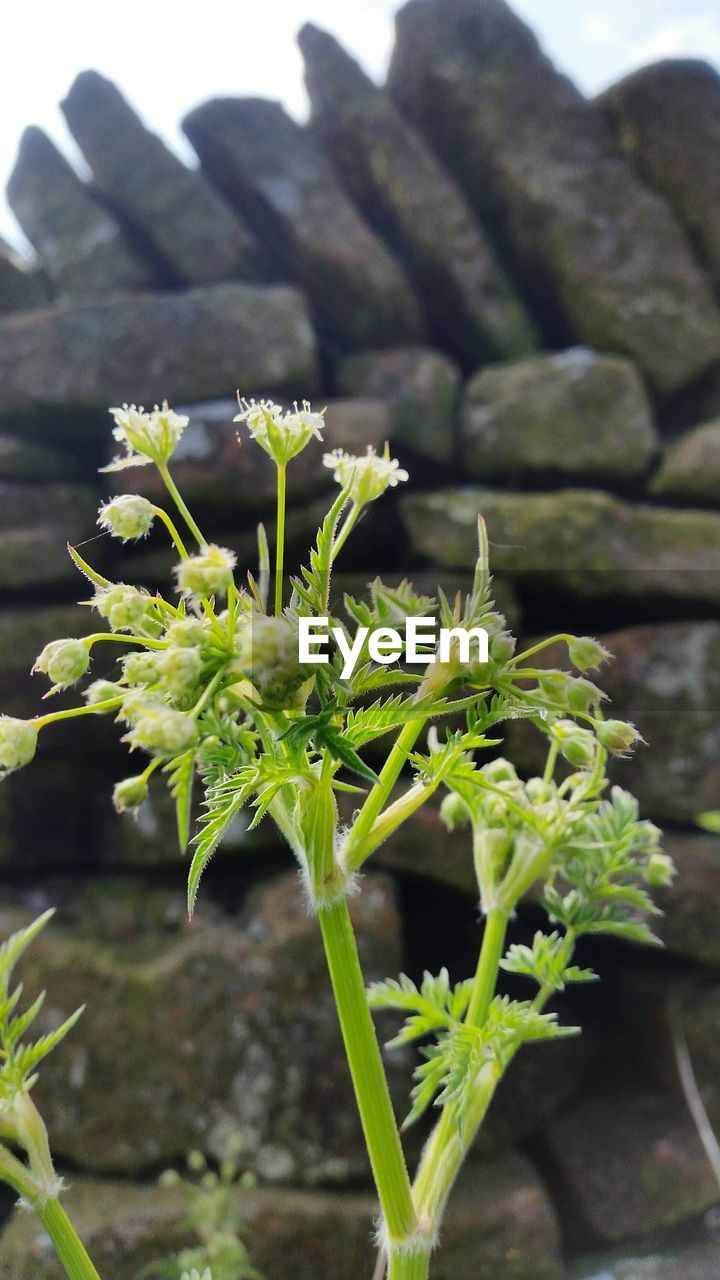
(66, 1242)
(181, 505)
(368, 1074)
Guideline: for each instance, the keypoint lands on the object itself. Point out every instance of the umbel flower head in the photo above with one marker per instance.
(128, 516)
(207, 574)
(146, 437)
(18, 743)
(281, 434)
(368, 476)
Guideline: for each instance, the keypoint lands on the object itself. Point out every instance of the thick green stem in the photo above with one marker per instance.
(409, 1266)
(491, 953)
(280, 537)
(368, 1074)
(66, 1242)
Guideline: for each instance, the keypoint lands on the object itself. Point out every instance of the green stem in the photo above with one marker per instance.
(491, 953)
(379, 794)
(346, 530)
(181, 505)
(172, 530)
(409, 1266)
(66, 1242)
(368, 1074)
(280, 535)
(92, 708)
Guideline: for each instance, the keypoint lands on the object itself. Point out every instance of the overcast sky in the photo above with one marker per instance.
(167, 57)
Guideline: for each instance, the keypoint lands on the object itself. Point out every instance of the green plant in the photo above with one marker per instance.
(214, 1217)
(213, 686)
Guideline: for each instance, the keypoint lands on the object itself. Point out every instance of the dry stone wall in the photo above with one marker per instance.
(519, 289)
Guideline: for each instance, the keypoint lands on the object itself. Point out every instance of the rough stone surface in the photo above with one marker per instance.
(690, 925)
(195, 235)
(701, 1262)
(500, 1226)
(275, 174)
(690, 469)
(35, 526)
(218, 474)
(699, 1015)
(667, 118)
(547, 177)
(581, 541)
(206, 1033)
(82, 247)
(21, 287)
(420, 387)
(180, 346)
(21, 458)
(403, 191)
(631, 1164)
(573, 414)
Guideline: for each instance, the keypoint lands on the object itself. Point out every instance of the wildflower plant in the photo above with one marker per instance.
(210, 690)
(215, 1219)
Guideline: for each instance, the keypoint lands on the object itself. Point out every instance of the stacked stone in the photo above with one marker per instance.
(517, 288)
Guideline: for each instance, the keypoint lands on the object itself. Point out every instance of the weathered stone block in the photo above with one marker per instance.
(274, 173)
(690, 469)
(21, 286)
(420, 388)
(601, 256)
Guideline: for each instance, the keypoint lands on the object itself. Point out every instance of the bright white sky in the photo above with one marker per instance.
(167, 57)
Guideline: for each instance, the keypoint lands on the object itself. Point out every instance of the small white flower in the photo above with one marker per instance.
(147, 437)
(128, 516)
(282, 435)
(368, 476)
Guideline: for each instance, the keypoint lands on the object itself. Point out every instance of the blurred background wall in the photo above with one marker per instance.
(517, 285)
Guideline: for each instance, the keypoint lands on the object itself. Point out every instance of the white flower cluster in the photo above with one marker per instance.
(146, 437)
(368, 476)
(281, 434)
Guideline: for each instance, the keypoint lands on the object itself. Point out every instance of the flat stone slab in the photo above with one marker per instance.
(82, 247)
(666, 117)
(690, 468)
(196, 236)
(601, 257)
(275, 174)
(410, 198)
(581, 541)
(575, 414)
(187, 346)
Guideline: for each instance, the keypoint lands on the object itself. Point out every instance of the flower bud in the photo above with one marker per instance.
(453, 811)
(18, 743)
(188, 633)
(125, 607)
(102, 691)
(128, 516)
(617, 736)
(502, 647)
(129, 794)
(268, 655)
(179, 670)
(164, 730)
(64, 662)
(207, 574)
(577, 745)
(141, 667)
(587, 654)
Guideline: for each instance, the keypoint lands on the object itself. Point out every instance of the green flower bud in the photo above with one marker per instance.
(189, 633)
(500, 771)
(268, 655)
(587, 654)
(129, 794)
(139, 703)
(18, 743)
(164, 730)
(502, 647)
(102, 691)
(125, 607)
(207, 574)
(453, 811)
(64, 662)
(617, 736)
(577, 745)
(141, 667)
(179, 670)
(128, 516)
